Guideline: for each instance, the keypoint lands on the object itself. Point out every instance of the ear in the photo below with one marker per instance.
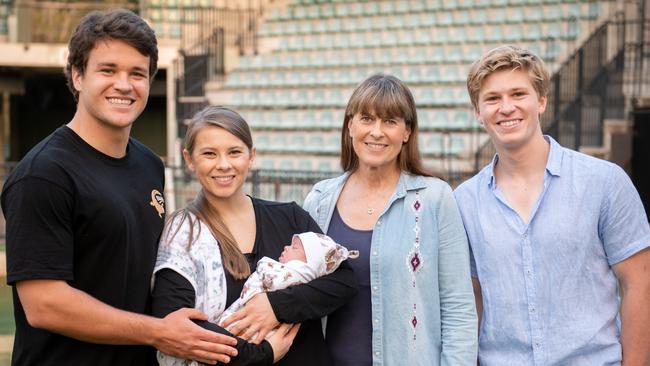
(542, 104)
(188, 160)
(349, 126)
(407, 135)
(76, 79)
(477, 115)
(253, 155)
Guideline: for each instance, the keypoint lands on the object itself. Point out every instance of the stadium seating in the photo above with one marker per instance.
(294, 94)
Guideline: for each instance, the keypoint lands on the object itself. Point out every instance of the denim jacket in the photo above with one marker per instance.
(423, 306)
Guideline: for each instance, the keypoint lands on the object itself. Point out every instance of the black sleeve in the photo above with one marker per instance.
(172, 291)
(316, 298)
(39, 234)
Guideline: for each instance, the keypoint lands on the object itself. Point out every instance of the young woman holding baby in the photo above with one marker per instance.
(209, 248)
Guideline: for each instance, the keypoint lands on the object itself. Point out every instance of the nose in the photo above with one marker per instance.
(376, 130)
(122, 82)
(223, 163)
(507, 106)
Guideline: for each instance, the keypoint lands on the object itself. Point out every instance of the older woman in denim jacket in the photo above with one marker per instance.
(415, 304)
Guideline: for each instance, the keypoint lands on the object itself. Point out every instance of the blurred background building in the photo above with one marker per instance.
(289, 67)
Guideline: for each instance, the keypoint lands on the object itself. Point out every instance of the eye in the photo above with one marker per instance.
(391, 121)
(208, 153)
(139, 75)
(107, 71)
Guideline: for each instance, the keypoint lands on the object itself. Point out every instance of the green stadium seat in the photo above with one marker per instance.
(324, 166)
(371, 8)
(461, 17)
(304, 164)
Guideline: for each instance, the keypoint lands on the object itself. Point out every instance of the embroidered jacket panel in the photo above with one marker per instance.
(423, 306)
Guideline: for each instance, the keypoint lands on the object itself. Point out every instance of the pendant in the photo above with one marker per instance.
(369, 211)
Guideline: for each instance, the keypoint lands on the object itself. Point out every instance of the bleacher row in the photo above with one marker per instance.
(402, 6)
(476, 34)
(434, 120)
(329, 144)
(315, 52)
(320, 96)
(377, 16)
(441, 55)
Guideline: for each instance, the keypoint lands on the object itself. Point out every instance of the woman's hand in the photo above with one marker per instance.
(254, 321)
(282, 339)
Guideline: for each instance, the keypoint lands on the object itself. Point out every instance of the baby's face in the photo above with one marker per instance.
(293, 252)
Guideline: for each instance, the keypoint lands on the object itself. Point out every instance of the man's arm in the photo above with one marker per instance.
(634, 276)
(56, 306)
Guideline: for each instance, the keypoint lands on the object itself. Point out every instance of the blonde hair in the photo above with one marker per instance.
(387, 97)
(234, 260)
(508, 57)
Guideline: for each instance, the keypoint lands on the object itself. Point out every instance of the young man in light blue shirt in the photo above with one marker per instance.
(552, 234)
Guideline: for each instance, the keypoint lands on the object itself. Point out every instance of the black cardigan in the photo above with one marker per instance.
(275, 225)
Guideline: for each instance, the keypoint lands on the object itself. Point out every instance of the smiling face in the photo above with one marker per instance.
(377, 142)
(508, 107)
(293, 252)
(114, 88)
(221, 162)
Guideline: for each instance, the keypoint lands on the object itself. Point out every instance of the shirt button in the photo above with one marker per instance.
(378, 223)
(374, 253)
(376, 321)
(532, 310)
(377, 353)
(375, 288)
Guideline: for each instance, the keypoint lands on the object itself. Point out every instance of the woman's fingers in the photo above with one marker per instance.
(233, 318)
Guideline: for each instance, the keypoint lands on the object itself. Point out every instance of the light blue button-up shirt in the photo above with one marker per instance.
(422, 306)
(549, 292)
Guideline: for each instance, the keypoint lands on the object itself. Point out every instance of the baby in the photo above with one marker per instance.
(309, 256)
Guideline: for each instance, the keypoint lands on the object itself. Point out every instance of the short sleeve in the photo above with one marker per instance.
(39, 231)
(623, 226)
(173, 251)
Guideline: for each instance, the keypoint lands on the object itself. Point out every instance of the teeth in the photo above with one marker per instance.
(510, 123)
(374, 145)
(224, 179)
(119, 101)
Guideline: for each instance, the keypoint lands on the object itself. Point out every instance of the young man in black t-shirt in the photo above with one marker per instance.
(84, 212)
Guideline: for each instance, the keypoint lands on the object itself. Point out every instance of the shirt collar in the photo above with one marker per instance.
(553, 164)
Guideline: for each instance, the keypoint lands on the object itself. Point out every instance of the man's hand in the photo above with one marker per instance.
(180, 337)
(254, 321)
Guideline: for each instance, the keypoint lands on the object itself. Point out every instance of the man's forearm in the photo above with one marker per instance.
(55, 306)
(635, 333)
(60, 308)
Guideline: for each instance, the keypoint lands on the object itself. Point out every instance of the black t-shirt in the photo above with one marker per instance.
(306, 304)
(76, 214)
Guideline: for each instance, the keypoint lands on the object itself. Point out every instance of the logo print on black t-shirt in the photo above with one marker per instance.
(158, 202)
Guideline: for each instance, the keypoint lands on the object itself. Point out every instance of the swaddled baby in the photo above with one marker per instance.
(310, 255)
